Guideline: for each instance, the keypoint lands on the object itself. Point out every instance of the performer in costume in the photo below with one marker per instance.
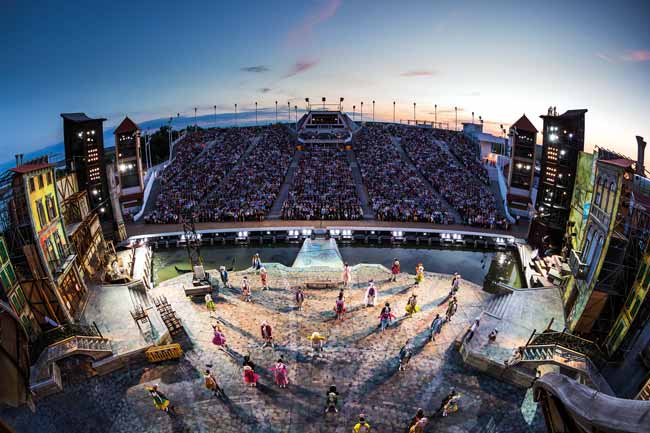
(339, 308)
(219, 339)
(412, 306)
(395, 270)
(280, 373)
(347, 275)
(317, 341)
(405, 354)
(332, 399)
(264, 276)
(250, 377)
(455, 283)
(246, 289)
(256, 263)
(224, 277)
(160, 400)
(419, 273)
(436, 326)
(300, 298)
(419, 426)
(209, 303)
(211, 384)
(418, 416)
(386, 316)
(371, 294)
(362, 426)
(451, 308)
(267, 334)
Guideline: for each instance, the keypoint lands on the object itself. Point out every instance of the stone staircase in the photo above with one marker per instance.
(362, 193)
(95, 347)
(450, 209)
(276, 210)
(499, 305)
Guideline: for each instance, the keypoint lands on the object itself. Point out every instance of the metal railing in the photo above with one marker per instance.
(60, 333)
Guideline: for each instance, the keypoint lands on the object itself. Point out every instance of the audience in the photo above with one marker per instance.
(323, 187)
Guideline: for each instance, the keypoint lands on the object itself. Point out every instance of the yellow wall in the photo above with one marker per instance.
(53, 224)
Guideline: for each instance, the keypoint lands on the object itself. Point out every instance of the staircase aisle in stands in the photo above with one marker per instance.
(276, 210)
(494, 187)
(450, 209)
(361, 188)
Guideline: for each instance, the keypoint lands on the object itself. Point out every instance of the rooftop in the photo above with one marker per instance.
(26, 168)
(78, 117)
(524, 124)
(127, 125)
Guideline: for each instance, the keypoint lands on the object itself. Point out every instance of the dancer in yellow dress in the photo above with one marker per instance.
(317, 341)
(412, 306)
(419, 273)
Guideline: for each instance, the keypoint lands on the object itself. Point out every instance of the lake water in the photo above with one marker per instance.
(476, 266)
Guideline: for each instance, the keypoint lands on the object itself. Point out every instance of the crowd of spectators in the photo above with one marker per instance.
(395, 191)
(458, 183)
(466, 152)
(249, 191)
(192, 175)
(323, 187)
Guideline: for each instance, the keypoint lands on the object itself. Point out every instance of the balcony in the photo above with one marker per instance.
(59, 264)
(600, 215)
(578, 269)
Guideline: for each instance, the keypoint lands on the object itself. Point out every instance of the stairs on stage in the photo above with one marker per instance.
(276, 210)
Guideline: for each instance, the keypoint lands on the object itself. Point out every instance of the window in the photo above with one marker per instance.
(51, 207)
(16, 304)
(42, 219)
(40, 181)
(4, 255)
(49, 178)
(27, 324)
(32, 186)
(58, 244)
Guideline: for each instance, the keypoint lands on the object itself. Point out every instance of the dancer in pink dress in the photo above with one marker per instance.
(347, 275)
(280, 373)
(219, 339)
(250, 377)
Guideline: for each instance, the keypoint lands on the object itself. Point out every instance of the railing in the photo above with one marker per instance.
(570, 342)
(579, 269)
(60, 333)
(58, 264)
(602, 216)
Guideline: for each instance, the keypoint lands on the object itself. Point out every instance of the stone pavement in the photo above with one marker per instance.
(361, 361)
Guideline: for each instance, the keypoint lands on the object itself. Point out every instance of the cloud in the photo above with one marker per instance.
(256, 69)
(605, 57)
(300, 67)
(418, 73)
(265, 90)
(627, 56)
(637, 56)
(301, 33)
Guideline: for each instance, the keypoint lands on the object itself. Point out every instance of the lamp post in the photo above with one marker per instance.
(373, 110)
(255, 113)
(472, 117)
(296, 108)
(456, 110)
(236, 120)
(289, 111)
(414, 118)
(323, 103)
(195, 124)
(354, 108)
(170, 138)
(215, 116)
(361, 113)
(435, 113)
(341, 104)
(307, 103)
(276, 111)
(393, 111)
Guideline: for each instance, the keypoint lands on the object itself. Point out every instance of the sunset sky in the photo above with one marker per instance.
(150, 60)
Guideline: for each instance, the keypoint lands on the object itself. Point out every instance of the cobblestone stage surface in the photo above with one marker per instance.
(358, 358)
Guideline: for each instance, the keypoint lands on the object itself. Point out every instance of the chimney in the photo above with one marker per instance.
(640, 156)
(18, 160)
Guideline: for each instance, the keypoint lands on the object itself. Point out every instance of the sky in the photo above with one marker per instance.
(153, 59)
